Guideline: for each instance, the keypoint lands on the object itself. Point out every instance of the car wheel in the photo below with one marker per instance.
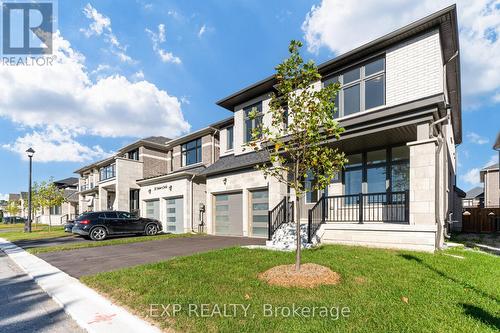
(151, 229)
(98, 234)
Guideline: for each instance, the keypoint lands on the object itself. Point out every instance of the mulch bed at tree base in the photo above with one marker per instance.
(309, 276)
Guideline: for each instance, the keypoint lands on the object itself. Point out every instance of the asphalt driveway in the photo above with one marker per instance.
(88, 261)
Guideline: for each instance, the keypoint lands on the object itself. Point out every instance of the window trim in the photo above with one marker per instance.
(185, 150)
(260, 115)
(132, 153)
(362, 84)
(112, 174)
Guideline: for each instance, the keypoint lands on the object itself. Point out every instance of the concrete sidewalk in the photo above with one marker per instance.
(90, 310)
(25, 307)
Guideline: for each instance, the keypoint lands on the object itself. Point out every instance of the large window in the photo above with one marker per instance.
(378, 171)
(252, 123)
(312, 195)
(230, 138)
(107, 172)
(363, 88)
(55, 210)
(191, 152)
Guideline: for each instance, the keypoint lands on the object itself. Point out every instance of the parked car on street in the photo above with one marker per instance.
(99, 225)
(13, 219)
(68, 226)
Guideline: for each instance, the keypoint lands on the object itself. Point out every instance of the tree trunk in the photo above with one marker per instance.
(297, 228)
(50, 220)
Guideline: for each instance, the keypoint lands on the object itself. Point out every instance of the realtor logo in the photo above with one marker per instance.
(27, 28)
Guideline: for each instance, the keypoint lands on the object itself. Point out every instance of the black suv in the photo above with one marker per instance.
(99, 225)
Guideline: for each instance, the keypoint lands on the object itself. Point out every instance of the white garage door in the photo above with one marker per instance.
(175, 215)
(228, 215)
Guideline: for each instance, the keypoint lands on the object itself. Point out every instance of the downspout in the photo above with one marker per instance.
(192, 203)
(436, 173)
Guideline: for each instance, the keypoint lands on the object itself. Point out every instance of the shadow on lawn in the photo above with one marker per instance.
(443, 274)
(481, 315)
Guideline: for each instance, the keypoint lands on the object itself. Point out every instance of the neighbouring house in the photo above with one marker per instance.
(15, 197)
(489, 176)
(400, 105)
(112, 183)
(67, 210)
(474, 197)
(177, 197)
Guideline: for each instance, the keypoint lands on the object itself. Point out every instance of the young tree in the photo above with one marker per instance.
(13, 208)
(49, 196)
(301, 123)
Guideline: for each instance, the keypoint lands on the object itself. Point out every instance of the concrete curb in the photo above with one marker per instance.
(91, 311)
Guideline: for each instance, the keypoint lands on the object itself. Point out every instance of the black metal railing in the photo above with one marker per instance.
(281, 213)
(388, 207)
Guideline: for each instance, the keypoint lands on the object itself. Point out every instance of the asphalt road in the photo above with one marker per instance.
(88, 261)
(25, 307)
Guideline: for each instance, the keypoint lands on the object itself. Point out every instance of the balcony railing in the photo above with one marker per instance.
(386, 207)
(86, 187)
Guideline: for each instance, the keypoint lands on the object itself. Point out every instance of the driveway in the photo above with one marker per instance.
(88, 261)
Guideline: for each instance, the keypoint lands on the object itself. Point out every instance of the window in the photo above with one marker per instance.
(311, 194)
(230, 137)
(191, 152)
(134, 200)
(55, 210)
(363, 88)
(107, 172)
(251, 124)
(110, 215)
(123, 215)
(134, 154)
(378, 171)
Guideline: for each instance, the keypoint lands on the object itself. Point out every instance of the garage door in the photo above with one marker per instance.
(259, 213)
(228, 215)
(175, 216)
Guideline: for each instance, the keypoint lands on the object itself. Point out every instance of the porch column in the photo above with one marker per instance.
(103, 199)
(422, 177)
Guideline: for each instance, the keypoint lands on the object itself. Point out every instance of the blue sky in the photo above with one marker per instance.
(185, 55)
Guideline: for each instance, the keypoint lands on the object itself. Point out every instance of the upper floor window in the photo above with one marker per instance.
(107, 172)
(134, 154)
(230, 137)
(363, 88)
(191, 152)
(252, 123)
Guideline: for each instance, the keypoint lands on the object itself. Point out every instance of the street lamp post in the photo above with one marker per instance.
(27, 227)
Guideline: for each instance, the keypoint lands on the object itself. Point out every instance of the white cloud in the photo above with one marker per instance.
(471, 177)
(139, 76)
(476, 138)
(4, 196)
(493, 160)
(496, 98)
(158, 38)
(63, 96)
(54, 144)
(202, 30)
(101, 25)
(343, 25)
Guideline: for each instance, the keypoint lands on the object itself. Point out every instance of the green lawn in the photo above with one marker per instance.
(37, 232)
(11, 226)
(444, 293)
(112, 241)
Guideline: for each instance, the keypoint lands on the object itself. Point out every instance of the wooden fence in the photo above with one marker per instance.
(484, 220)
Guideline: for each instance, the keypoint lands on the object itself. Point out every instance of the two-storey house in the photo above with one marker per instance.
(111, 184)
(400, 106)
(67, 210)
(177, 196)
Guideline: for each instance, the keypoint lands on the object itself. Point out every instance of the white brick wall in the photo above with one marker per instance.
(414, 69)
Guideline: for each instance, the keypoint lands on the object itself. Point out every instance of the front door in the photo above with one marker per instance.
(228, 216)
(175, 215)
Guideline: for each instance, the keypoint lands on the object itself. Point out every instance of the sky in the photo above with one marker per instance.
(134, 68)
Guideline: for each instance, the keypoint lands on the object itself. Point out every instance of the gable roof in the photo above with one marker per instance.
(231, 162)
(490, 167)
(14, 197)
(497, 143)
(445, 20)
(474, 193)
(70, 181)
